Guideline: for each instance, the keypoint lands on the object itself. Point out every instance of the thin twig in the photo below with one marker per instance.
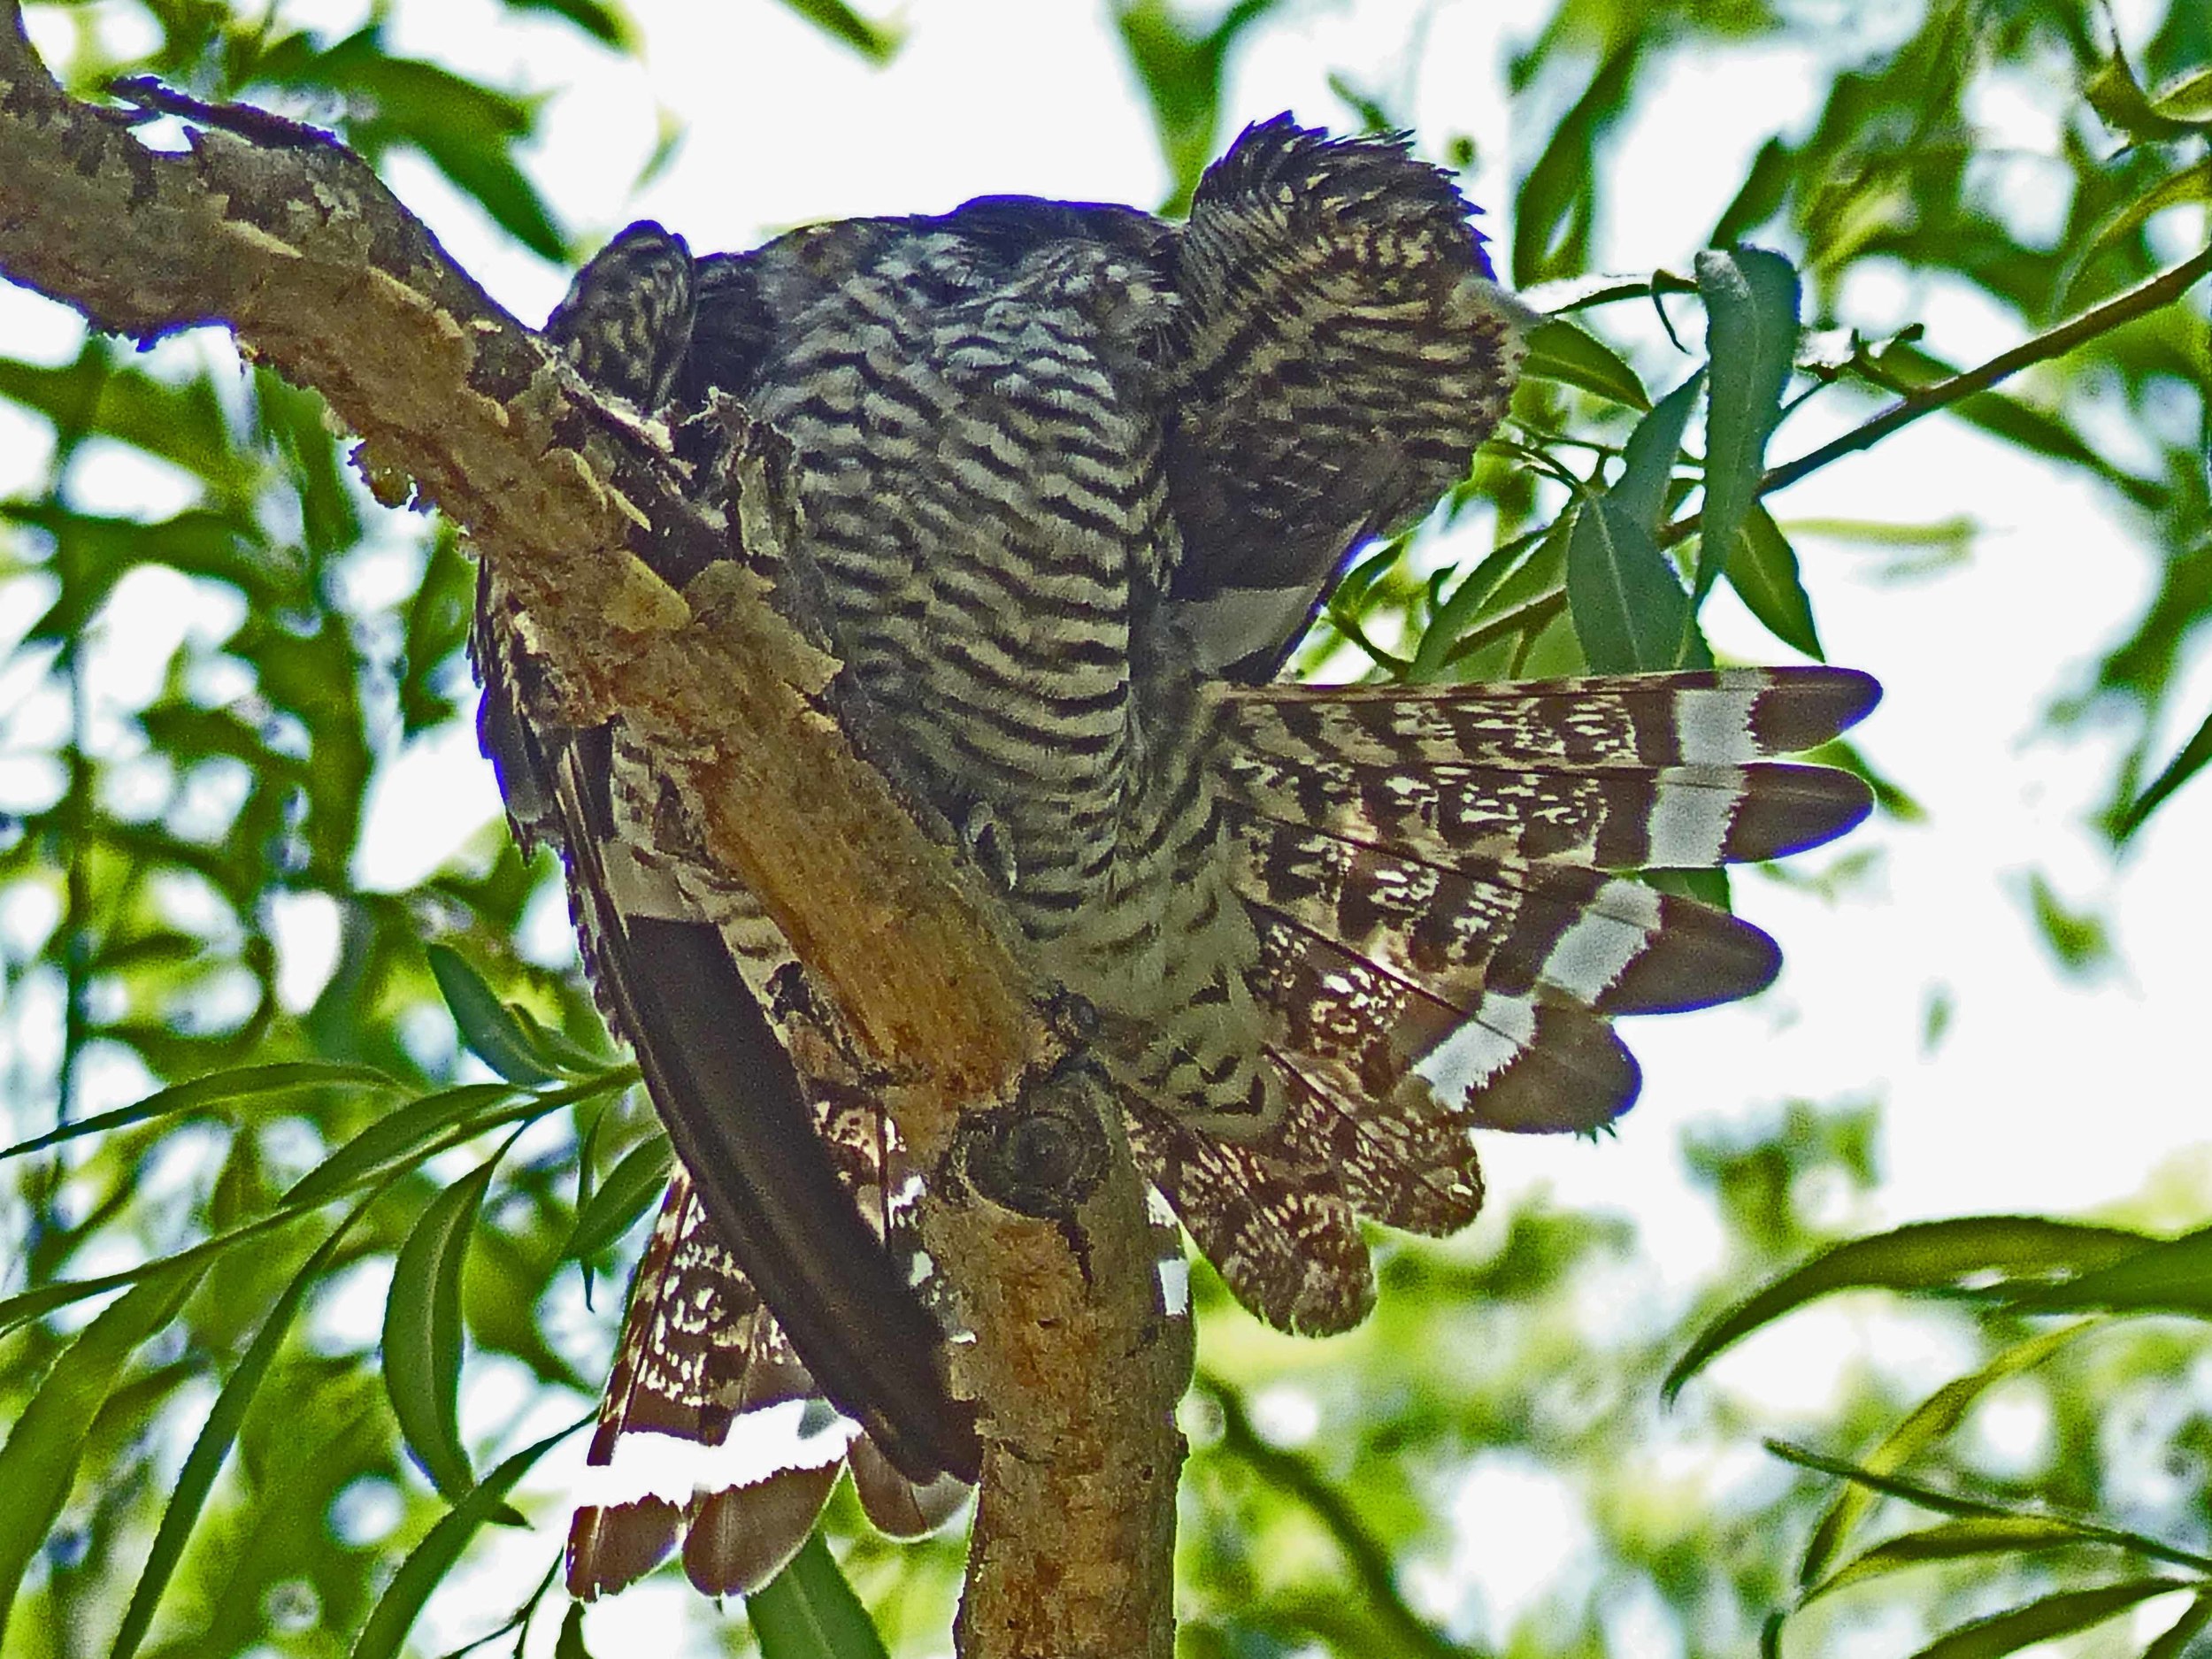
(1531, 617)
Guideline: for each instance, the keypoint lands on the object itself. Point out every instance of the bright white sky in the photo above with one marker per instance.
(2045, 1094)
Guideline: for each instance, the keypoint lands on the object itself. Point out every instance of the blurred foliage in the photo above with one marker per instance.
(230, 1456)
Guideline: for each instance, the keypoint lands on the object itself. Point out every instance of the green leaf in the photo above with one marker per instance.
(2053, 1617)
(429, 1562)
(38, 1465)
(2171, 1277)
(1928, 1422)
(1925, 1255)
(2078, 940)
(217, 1435)
(437, 625)
(1647, 460)
(407, 1133)
(2035, 430)
(182, 423)
(877, 42)
(1180, 67)
(570, 1643)
(1751, 301)
(1927, 1497)
(809, 1611)
(1629, 609)
(1762, 569)
(2191, 758)
(1560, 351)
(488, 1026)
(1951, 1541)
(609, 25)
(1889, 797)
(1541, 555)
(215, 1089)
(2174, 1640)
(42, 1299)
(1760, 196)
(1556, 205)
(501, 188)
(422, 1329)
(2183, 187)
(2121, 103)
(621, 1198)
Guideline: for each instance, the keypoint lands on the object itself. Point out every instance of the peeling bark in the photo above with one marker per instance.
(287, 239)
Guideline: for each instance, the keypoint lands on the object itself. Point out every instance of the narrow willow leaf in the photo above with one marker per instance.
(1925, 1255)
(622, 1197)
(572, 1059)
(2086, 1529)
(1762, 569)
(488, 1026)
(422, 1329)
(42, 1299)
(1647, 460)
(2053, 1617)
(1951, 1541)
(1478, 590)
(1629, 609)
(2194, 755)
(429, 1562)
(394, 1146)
(405, 1132)
(1751, 301)
(809, 1611)
(2190, 185)
(1574, 357)
(215, 1089)
(608, 25)
(38, 1464)
(877, 42)
(217, 1435)
(570, 1643)
(2120, 102)
(1555, 206)
(2174, 1276)
(1925, 1423)
(2174, 1640)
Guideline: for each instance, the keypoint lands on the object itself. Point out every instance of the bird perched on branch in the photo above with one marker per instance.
(1072, 482)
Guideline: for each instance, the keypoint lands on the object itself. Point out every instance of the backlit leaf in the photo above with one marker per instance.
(809, 1611)
(38, 1464)
(1921, 1256)
(422, 1329)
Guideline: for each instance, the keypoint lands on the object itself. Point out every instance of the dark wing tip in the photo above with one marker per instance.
(1700, 957)
(1806, 707)
(612, 1546)
(743, 1536)
(1788, 809)
(1574, 1075)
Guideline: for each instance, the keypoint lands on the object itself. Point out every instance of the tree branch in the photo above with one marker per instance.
(290, 241)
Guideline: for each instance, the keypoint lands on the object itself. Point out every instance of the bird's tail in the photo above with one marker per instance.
(1444, 938)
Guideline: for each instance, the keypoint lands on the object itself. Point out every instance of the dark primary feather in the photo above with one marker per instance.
(1072, 482)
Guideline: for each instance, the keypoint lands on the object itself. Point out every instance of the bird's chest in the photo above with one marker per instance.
(984, 503)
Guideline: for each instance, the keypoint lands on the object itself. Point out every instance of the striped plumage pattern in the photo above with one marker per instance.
(1072, 483)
